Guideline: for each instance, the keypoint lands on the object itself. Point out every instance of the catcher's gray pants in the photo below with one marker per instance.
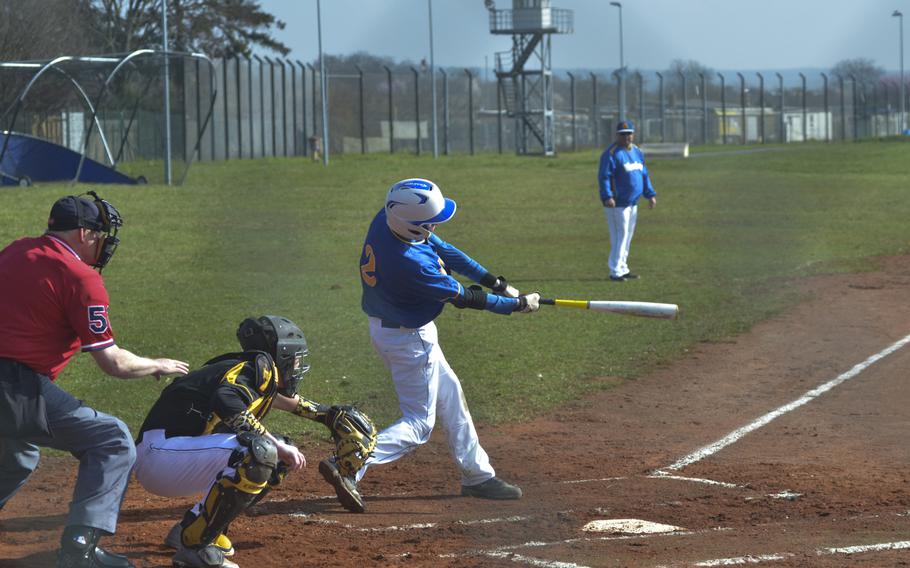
(100, 442)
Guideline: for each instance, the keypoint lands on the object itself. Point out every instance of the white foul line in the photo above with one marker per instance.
(812, 394)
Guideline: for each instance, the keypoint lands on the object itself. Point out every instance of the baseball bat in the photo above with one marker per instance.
(638, 309)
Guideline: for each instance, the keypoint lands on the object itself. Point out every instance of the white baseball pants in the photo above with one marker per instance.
(183, 465)
(427, 387)
(621, 221)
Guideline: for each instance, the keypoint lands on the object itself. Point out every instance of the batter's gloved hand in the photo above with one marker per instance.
(503, 288)
(528, 303)
(354, 435)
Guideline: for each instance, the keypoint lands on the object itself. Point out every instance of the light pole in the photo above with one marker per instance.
(433, 80)
(900, 15)
(167, 97)
(322, 83)
(622, 67)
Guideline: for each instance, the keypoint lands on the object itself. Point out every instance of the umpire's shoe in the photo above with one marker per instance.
(345, 487)
(79, 549)
(493, 488)
(203, 557)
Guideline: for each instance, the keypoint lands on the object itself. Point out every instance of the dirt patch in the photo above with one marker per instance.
(800, 490)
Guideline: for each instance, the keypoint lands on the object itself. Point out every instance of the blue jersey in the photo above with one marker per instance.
(408, 282)
(623, 176)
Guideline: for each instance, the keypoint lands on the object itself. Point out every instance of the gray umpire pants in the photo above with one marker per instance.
(102, 444)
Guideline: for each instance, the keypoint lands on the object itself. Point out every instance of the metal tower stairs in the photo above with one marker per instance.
(524, 73)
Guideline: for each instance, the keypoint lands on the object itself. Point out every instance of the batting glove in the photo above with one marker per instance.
(503, 288)
(528, 303)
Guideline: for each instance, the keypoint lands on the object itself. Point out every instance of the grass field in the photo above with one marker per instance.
(283, 236)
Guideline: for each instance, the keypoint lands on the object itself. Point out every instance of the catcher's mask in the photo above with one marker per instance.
(75, 211)
(282, 339)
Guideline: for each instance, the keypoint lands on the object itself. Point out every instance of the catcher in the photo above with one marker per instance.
(205, 435)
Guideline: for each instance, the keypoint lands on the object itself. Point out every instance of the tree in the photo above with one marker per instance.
(40, 30)
(218, 28)
(865, 70)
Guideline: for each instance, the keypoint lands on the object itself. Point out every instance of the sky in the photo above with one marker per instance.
(719, 34)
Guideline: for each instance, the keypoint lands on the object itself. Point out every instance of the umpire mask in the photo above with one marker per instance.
(284, 341)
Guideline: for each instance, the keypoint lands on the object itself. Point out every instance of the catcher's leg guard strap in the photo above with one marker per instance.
(230, 495)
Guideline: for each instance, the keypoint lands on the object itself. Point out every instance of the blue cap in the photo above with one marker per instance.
(73, 212)
(625, 126)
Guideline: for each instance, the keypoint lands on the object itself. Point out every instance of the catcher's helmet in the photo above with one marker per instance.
(283, 340)
(412, 204)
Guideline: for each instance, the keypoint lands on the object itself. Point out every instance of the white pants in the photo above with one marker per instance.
(183, 465)
(621, 221)
(426, 387)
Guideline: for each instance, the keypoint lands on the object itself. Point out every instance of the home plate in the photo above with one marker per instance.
(628, 526)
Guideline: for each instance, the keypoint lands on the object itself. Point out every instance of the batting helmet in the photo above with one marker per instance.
(283, 340)
(412, 204)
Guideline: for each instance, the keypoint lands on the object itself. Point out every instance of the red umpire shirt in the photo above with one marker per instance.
(53, 305)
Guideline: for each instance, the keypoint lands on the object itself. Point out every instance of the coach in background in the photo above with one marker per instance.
(404, 269)
(53, 305)
(623, 179)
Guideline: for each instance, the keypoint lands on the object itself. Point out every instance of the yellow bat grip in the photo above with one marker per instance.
(580, 304)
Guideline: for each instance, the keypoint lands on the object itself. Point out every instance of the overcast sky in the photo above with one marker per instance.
(721, 34)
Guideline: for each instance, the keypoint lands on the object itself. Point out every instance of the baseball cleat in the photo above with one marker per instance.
(345, 487)
(222, 542)
(206, 557)
(493, 488)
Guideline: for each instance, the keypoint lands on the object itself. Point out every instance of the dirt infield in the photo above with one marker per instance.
(786, 446)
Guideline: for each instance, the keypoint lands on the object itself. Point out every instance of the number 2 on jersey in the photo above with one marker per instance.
(368, 268)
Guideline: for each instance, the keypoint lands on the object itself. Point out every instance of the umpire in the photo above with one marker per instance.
(55, 305)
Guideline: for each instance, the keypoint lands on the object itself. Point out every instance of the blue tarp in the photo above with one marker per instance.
(41, 160)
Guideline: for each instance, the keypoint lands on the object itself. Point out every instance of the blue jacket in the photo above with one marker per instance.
(623, 176)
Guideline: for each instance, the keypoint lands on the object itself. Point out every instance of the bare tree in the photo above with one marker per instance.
(865, 70)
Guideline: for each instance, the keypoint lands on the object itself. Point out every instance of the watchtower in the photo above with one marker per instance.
(524, 74)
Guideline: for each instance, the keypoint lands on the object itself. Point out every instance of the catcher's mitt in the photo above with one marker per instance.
(354, 435)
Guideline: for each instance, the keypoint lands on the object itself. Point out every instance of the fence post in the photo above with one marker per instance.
(363, 129)
(391, 112)
(572, 102)
(761, 103)
(827, 125)
(417, 104)
(284, 107)
(722, 127)
(499, 113)
(306, 151)
(802, 79)
(313, 97)
(470, 109)
(685, 98)
(875, 91)
(742, 103)
(249, 90)
(660, 103)
(445, 111)
(239, 109)
(261, 106)
(855, 122)
(704, 109)
(272, 105)
(594, 110)
(641, 106)
(293, 107)
(783, 124)
(224, 101)
(843, 109)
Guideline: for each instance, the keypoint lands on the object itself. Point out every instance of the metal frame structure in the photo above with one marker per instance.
(119, 62)
(524, 74)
